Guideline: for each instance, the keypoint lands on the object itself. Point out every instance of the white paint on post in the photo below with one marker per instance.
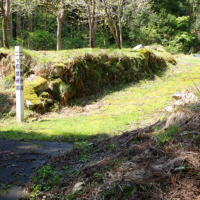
(19, 84)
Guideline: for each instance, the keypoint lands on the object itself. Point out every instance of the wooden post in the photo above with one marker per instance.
(19, 84)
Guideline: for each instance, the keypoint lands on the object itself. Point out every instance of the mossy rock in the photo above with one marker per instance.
(44, 95)
(30, 91)
(57, 70)
(54, 83)
(54, 87)
(58, 65)
(40, 84)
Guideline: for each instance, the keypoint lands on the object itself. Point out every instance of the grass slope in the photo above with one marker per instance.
(111, 111)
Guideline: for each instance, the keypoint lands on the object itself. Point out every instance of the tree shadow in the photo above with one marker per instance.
(6, 104)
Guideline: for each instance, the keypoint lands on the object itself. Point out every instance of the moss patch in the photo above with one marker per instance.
(29, 90)
(54, 86)
(38, 82)
(60, 65)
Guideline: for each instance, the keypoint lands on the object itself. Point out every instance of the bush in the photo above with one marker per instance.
(42, 40)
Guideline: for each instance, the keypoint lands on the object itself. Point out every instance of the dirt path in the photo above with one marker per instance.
(18, 161)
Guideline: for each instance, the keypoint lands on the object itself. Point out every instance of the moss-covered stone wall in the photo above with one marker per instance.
(85, 74)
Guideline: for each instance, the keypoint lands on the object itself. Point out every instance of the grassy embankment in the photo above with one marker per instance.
(112, 111)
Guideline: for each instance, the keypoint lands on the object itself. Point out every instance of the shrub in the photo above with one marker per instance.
(42, 40)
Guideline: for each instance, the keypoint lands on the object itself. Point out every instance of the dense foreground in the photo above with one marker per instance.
(140, 164)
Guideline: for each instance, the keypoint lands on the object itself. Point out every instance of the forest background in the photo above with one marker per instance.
(66, 24)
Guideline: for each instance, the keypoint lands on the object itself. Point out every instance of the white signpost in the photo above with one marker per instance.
(19, 84)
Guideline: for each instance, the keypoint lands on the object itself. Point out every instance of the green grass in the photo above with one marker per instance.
(65, 56)
(120, 110)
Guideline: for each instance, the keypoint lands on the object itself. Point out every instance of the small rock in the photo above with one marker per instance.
(57, 70)
(42, 87)
(59, 136)
(29, 104)
(50, 101)
(32, 77)
(139, 46)
(184, 98)
(78, 187)
(177, 95)
(154, 47)
(169, 109)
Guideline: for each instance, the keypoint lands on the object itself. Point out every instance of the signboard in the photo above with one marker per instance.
(19, 84)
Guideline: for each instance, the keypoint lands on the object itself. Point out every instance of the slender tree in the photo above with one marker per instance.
(57, 7)
(91, 7)
(112, 9)
(5, 10)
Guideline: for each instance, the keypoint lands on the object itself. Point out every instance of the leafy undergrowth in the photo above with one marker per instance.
(147, 163)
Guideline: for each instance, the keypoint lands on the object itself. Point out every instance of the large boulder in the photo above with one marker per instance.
(31, 86)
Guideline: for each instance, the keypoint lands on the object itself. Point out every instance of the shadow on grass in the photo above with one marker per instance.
(20, 135)
(6, 104)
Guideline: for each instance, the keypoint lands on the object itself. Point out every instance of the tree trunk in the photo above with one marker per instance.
(113, 32)
(59, 28)
(18, 22)
(5, 13)
(91, 36)
(30, 24)
(120, 32)
(110, 22)
(60, 18)
(120, 8)
(5, 28)
(91, 14)
(116, 31)
(10, 27)
(94, 30)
